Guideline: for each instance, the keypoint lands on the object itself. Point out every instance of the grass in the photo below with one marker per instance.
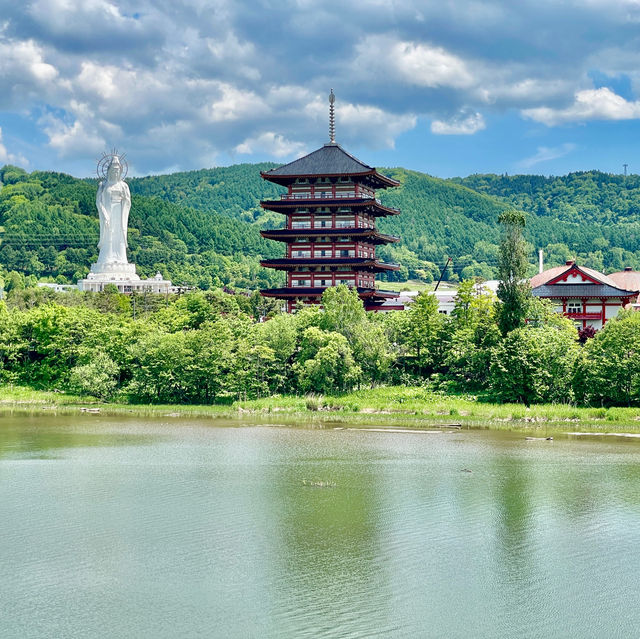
(414, 405)
(409, 285)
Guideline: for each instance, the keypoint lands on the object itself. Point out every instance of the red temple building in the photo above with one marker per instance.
(584, 295)
(330, 231)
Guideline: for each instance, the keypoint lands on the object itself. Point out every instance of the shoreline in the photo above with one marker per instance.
(413, 407)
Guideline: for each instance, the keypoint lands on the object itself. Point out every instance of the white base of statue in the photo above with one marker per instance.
(114, 270)
(124, 278)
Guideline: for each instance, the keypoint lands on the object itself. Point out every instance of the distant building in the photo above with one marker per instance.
(330, 231)
(584, 295)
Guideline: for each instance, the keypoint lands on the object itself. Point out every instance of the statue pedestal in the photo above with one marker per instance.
(114, 270)
(124, 277)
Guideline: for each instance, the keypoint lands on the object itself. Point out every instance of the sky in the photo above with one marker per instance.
(447, 87)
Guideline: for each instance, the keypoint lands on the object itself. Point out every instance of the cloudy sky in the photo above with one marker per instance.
(449, 87)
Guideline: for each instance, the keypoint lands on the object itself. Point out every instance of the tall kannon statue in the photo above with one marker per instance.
(114, 202)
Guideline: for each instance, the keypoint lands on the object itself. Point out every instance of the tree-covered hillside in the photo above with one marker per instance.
(202, 227)
(590, 215)
(49, 227)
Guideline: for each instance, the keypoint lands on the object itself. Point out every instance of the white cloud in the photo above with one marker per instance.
(461, 125)
(590, 104)
(179, 83)
(417, 63)
(71, 139)
(270, 143)
(430, 66)
(546, 154)
(234, 104)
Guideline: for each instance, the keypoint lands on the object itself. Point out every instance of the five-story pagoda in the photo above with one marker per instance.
(330, 232)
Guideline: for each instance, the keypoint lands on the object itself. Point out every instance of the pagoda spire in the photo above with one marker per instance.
(332, 118)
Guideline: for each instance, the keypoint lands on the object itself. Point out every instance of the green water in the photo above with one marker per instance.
(187, 528)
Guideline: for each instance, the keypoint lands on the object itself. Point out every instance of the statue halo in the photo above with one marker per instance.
(105, 161)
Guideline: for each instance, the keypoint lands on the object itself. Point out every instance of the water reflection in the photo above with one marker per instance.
(150, 528)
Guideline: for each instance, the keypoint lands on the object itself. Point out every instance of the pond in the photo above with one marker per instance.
(170, 527)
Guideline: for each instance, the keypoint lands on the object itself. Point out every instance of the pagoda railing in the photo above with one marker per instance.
(327, 196)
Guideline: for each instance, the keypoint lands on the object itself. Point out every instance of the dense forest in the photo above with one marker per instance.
(209, 347)
(201, 228)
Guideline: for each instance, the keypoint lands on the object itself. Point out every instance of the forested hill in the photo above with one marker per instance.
(589, 216)
(49, 228)
(202, 227)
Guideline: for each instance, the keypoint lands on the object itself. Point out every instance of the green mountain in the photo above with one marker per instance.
(202, 227)
(49, 227)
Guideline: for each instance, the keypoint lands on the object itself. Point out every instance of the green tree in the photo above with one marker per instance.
(98, 377)
(608, 372)
(535, 364)
(325, 363)
(514, 291)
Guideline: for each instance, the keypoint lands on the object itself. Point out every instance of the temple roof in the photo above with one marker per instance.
(579, 291)
(357, 263)
(627, 279)
(556, 271)
(330, 159)
(287, 204)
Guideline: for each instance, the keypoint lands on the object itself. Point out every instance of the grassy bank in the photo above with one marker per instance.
(382, 406)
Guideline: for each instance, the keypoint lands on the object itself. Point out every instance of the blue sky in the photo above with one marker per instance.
(445, 87)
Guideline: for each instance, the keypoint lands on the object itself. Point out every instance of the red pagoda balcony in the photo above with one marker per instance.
(357, 263)
(327, 195)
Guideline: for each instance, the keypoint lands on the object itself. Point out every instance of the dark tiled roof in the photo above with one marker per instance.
(331, 159)
(363, 262)
(371, 234)
(290, 203)
(300, 291)
(578, 291)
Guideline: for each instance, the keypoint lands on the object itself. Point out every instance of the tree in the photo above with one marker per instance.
(514, 290)
(325, 363)
(609, 371)
(98, 377)
(535, 364)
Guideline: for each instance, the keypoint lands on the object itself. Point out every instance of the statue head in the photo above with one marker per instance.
(114, 170)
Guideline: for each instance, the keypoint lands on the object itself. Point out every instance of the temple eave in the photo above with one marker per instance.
(372, 295)
(294, 235)
(355, 264)
(287, 206)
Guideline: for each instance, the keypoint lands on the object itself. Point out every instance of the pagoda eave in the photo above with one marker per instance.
(295, 235)
(375, 179)
(288, 205)
(372, 295)
(356, 263)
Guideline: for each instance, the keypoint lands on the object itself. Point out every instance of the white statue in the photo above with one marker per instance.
(113, 202)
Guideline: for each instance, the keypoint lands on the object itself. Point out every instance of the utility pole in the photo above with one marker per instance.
(442, 274)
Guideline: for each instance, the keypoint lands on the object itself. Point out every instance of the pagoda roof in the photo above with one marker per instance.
(290, 235)
(330, 159)
(289, 204)
(372, 294)
(356, 262)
